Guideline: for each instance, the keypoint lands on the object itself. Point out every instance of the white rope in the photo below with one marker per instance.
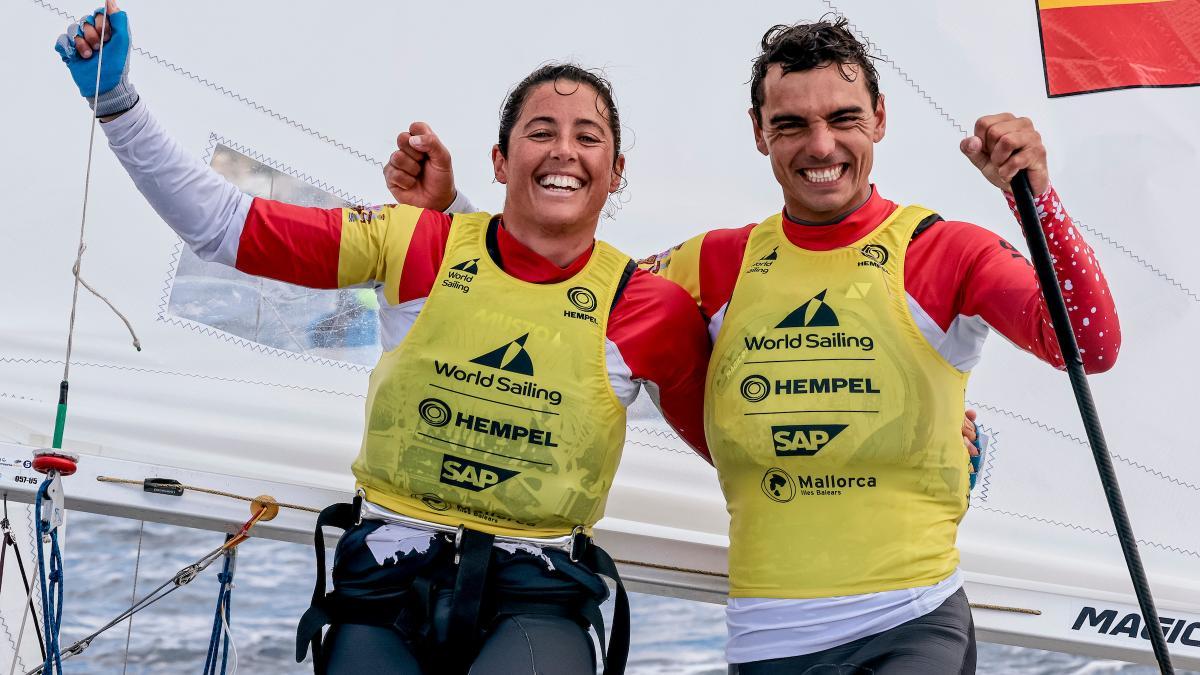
(137, 564)
(87, 184)
(229, 636)
(128, 326)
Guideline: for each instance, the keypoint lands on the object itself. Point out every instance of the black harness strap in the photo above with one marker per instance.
(626, 275)
(317, 616)
(928, 222)
(474, 553)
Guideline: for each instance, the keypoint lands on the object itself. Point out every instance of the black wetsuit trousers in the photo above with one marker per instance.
(512, 641)
(942, 642)
(529, 643)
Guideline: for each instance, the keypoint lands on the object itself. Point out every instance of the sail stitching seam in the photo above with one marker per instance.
(659, 447)
(173, 266)
(151, 371)
(221, 89)
(214, 139)
(1090, 530)
(1079, 441)
(962, 130)
(985, 480)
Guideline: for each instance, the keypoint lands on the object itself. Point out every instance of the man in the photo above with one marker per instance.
(844, 330)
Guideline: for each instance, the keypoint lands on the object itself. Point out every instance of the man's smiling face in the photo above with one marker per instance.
(820, 131)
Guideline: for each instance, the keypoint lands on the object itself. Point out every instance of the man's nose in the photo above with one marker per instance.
(821, 141)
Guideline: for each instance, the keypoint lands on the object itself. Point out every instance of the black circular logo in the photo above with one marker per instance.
(755, 388)
(582, 298)
(877, 254)
(778, 486)
(434, 412)
(433, 501)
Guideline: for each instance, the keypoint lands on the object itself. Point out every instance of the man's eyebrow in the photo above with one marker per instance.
(776, 120)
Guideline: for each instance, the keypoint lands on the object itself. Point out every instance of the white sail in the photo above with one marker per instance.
(315, 95)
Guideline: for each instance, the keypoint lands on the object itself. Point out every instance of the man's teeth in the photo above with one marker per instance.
(559, 181)
(826, 175)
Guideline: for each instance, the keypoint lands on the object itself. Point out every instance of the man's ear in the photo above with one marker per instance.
(499, 165)
(758, 134)
(880, 120)
(618, 174)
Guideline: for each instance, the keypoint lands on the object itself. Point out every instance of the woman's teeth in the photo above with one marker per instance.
(556, 181)
(825, 175)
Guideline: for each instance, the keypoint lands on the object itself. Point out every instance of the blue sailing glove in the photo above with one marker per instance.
(116, 92)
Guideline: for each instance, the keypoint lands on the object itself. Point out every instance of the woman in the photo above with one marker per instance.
(496, 415)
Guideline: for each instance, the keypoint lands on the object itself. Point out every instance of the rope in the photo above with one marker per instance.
(220, 640)
(137, 344)
(1003, 608)
(180, 579)
(210, 491)
(137, 565)
(11, 542)
(87, 185)
(52, 583)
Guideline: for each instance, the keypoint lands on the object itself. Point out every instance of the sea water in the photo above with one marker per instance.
(273, 585)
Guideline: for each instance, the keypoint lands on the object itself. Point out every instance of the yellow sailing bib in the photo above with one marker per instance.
(496, 410)
(834, 425)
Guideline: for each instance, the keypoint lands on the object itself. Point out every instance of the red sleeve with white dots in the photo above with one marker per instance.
(1002, 288)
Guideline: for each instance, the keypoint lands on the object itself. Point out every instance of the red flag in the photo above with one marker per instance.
(1098, 45)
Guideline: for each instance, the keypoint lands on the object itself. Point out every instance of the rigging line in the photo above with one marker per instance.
(10, 540)
(87, 184)
(137, 564)
(137, 344)
(180, 579)
(210, 491)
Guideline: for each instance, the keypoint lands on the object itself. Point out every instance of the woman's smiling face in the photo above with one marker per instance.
(562, 162)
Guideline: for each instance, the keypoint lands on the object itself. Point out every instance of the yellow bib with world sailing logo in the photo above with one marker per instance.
(834, 425)
(496, 410)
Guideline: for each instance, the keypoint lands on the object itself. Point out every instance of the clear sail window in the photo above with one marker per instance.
(340, 325)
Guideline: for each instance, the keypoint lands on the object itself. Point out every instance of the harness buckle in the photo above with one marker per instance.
(578, 541)
(360, 495)
(458, 538)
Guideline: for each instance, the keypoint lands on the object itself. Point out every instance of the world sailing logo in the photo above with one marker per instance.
(511, 358)
(812, 314)
(461, 275)
(763, 264)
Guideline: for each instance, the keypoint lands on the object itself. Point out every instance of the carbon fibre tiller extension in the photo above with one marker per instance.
(1040, 253)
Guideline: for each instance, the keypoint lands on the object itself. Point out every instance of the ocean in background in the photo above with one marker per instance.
(273, 584)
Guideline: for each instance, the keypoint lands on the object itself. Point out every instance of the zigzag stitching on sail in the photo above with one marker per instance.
(659, 447)
(962, 130)
(1075, 439)
(214, 138)
(900, 71)
(19, 397)
(198, 376)
(173, 266)
(654, 432)
(986, 478)
(1138, 259)
(230, 93)
(12, 640)
(1090, 530)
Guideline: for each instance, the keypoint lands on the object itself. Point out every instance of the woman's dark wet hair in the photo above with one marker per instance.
(566, 78)
(805, 46)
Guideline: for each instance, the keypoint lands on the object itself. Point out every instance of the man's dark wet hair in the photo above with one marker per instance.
(566, 78)
(805, 46)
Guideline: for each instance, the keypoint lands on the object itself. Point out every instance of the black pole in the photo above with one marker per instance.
(1087, 409)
